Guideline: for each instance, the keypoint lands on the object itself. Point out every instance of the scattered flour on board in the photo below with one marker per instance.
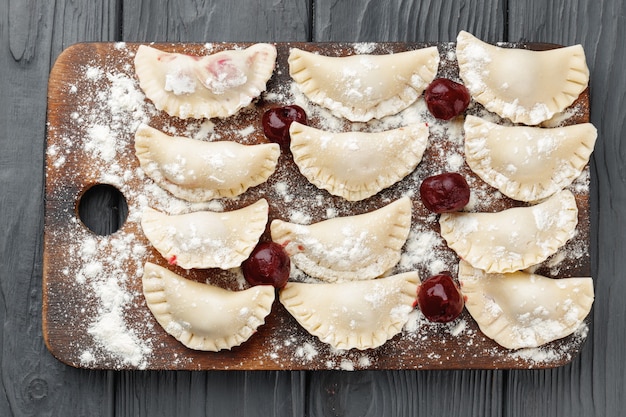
(114, 115)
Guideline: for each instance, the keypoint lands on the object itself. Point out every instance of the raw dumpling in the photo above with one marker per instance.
(203, 316)
(206, 239)
(216, 85)
(350, 248)
(199, 171)
(522, 310)
(512, 239)
(522, 85)
(527, 163)
(364, 87)
(357, 165)
(361, 315)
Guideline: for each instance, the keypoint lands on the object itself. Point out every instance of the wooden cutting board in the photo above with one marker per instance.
(94, 313)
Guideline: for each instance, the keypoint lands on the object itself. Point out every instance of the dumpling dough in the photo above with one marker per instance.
(522, 85)
(357, 165)
(200, 171)
(357, 247)
(522, 310)
(512, 239)
(364, 87)
(361, 314)
(527, 163)
(216, 85)
(203, 316)
(206, 239)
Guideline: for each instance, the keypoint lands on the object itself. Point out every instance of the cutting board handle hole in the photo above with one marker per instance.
(103, 209)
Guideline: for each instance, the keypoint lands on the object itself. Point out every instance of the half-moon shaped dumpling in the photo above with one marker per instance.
(357, 165)
(197, 171)
(203, 316)
(527, 163)
(522, 85)
(358, 314)
(359, 247)
(522, 310)
(216, 85)
(206, 239)
(364, 87)
(513, 239)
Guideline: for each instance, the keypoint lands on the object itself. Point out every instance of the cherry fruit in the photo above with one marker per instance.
(268, 264)
(446, 99)
(439, 299)
(445, 192)
(276, 122)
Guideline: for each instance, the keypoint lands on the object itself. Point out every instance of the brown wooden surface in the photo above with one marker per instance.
(71, 98)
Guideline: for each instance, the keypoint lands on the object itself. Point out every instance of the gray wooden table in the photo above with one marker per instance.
(33, 33)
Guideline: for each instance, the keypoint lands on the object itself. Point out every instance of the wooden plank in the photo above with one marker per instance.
(221, 393)
(396, 20)
(468, 393)
(214, 21)
(33, 33)
(593, 384)
(405, 393)
(214, 393)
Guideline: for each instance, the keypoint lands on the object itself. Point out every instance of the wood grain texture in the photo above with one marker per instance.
(594, 383)
(405, 393)
(34, 383)
(213, 21)
(219, 393)
(402, 20)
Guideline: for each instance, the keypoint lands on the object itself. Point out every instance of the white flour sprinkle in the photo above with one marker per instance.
(364, 48)
(179, 83)
(101, 143)
(93, 73)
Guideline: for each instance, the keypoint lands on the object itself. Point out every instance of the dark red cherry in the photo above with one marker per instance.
(446, 99)
(439, 298)
(445, 192)
(276, 122)
(268, 264)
